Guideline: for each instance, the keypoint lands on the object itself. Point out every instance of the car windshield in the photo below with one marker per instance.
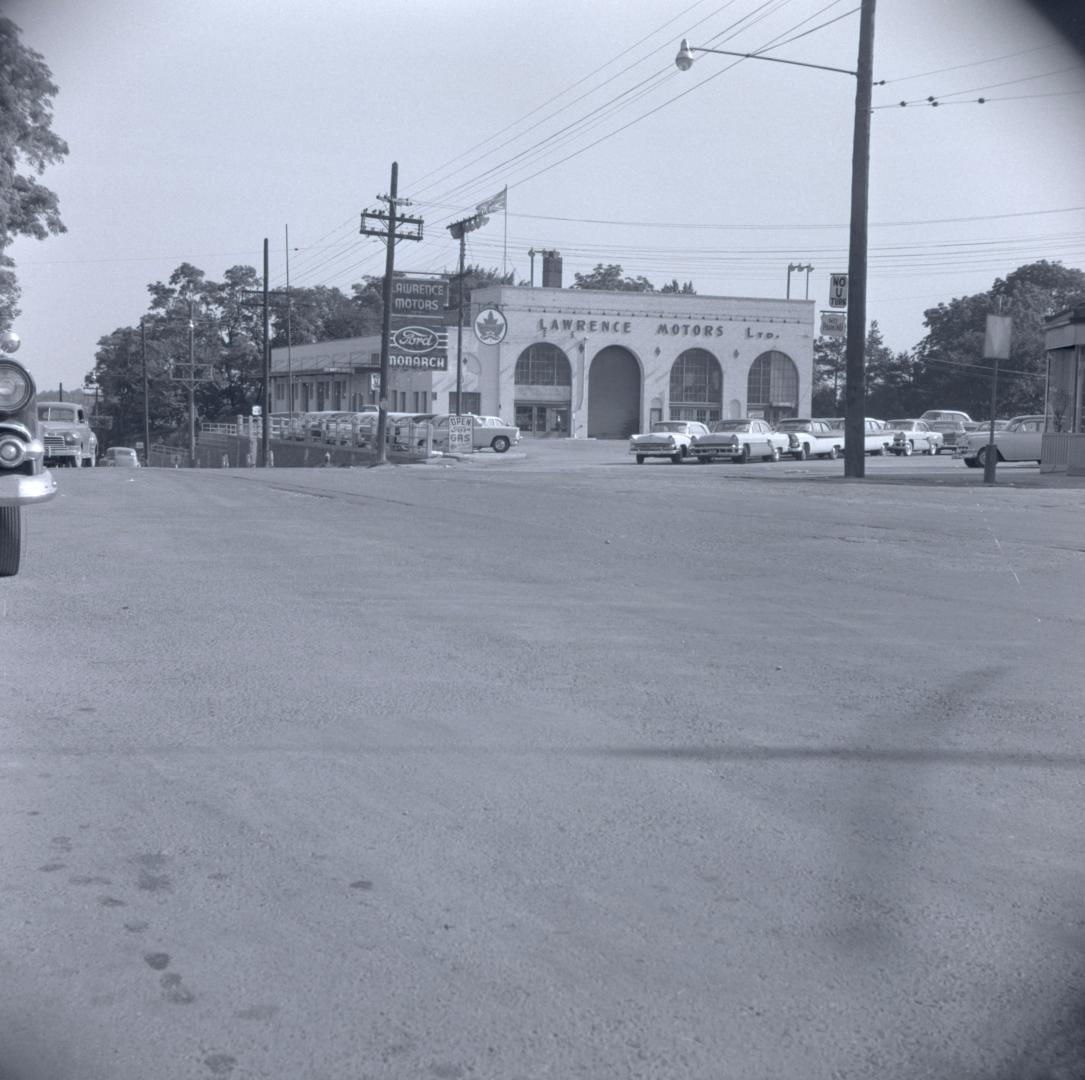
(906, 424)
(669, 425)
(794, 425)
(57, 412)
(731, 425)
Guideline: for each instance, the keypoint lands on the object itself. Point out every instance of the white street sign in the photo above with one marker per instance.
(838, 290)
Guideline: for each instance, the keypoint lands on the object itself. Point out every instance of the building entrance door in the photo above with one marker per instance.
(537, 420)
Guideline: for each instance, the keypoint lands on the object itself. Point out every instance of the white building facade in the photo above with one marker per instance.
(603, 365)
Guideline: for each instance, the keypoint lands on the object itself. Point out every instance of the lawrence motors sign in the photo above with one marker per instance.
(419, 336)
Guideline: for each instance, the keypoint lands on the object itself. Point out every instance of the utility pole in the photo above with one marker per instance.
(387, 221)
(191, 375)
(146, 395)
(459, 230)
(265, 424)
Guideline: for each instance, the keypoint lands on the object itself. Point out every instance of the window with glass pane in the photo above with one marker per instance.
(543, 365)
(696, 389)
(773, 380)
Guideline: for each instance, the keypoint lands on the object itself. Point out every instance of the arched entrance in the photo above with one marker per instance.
(772, 389)
(696, 391)
(544, 390)
(613, 394)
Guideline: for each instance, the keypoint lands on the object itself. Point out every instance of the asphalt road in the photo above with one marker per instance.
(545, 765)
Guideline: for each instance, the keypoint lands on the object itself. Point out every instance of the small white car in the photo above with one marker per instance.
(914, 437)
(812, 438)
(667, 438)
(488, 432)
(1021, 440)
(740, 440)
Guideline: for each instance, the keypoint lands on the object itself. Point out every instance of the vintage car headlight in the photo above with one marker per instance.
(12, 452)
(16, 388)
(71, 438)
(734, 440)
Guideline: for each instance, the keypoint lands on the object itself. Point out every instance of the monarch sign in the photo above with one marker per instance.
(419, 336)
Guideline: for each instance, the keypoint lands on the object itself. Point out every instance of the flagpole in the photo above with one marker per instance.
(505, 251)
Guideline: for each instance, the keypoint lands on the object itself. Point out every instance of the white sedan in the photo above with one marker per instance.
(914, 436)
(668, 438)
(740, 440)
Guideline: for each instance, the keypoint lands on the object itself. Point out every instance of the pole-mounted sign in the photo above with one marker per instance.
(419, 336)
(838, 290)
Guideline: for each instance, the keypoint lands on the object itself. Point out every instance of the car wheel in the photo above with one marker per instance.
(981, 457)
(775, 455)
(501, 444)
(907, 449)
(972, 463)
(833, 454)
(803, 453)
(676, 457)
(77, 461)
(10, 540)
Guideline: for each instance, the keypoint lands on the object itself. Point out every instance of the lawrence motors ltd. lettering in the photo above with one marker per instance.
(617, 326)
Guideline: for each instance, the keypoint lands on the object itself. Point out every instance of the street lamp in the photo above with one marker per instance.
(855, 381)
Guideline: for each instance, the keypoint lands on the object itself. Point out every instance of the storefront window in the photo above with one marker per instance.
(772, 389)
(543, 365)
(696, 389)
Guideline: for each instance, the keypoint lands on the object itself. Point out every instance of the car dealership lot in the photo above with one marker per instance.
(543, 764)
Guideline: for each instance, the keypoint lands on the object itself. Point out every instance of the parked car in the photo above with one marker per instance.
(66, 434)
(121, 457)
(24, 479)
(739, 440)
(667, 438)
(1020, 440)
(486, 434)
(953, 432)
(946, 414)
(911, 436)
(811, 438)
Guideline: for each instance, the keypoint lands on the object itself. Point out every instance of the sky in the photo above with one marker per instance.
(197, 130)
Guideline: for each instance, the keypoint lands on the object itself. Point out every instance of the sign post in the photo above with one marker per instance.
(996, 346)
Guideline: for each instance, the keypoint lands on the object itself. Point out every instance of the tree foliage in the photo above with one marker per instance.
(27, 146)
(949, 361)
(610, 278)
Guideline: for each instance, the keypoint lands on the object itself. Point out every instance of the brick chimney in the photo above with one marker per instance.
(551, 270)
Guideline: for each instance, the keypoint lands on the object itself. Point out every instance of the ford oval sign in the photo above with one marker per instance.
(415, 339)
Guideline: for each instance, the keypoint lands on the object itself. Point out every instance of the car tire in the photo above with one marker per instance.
(802, 453)
(501, 444)
(775, 455)
(972, 463)
(907, 449)
(981, 457)
(640, 459)
(744, 456)
(833, 454)
(10, 540)
(677, 457)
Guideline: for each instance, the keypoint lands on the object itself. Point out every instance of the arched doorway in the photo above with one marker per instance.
(613, 394)
(772, 389)
(544, 390)
(696, 391)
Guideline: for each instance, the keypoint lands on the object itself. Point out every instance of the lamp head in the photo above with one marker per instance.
(684, 59)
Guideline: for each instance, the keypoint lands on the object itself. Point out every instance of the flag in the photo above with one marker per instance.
(496, 202)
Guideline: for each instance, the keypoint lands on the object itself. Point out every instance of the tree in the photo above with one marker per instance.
(27, 146)
(474, 277)
(686, 288)
(829, 370)
(949, 364)
(611, 279)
